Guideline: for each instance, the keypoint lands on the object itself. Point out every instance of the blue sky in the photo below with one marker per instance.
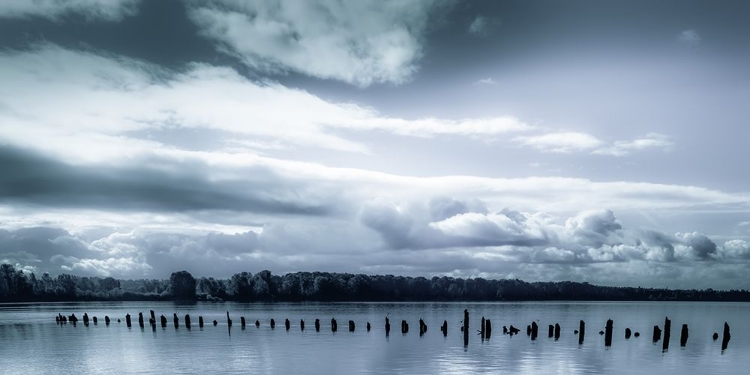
(588, 140)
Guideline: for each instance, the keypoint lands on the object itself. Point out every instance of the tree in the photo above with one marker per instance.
(182, 285)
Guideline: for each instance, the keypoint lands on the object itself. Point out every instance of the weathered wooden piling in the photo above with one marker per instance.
(351, 326)
(317, 325)
(257, 323)
(513, 330)
(368, 327)
(175, 320)
(444, 328)
(73, 319)
(637, 334)
(387, 326)
(140, 319)
(628, 332)
(302, 325)
(466, 327)
(557, 331)
(534, 330)
(528, 330)
(127, 320)
(106, 319)
(163, 321)
(215, 323)
(200, 321)
(187, 321)
(667, 333)
(726, 337)
(242, 322)
(715, 336)
(422, 327)
(581, 331)
(287, 324)
(85, 319)
(487, 329)
(273, 324)
(334, 325)
(404, 326)
(550, 331)
(152, 320)
(657, 334)
(684, 335)
(95, 321)
(229, 320)
(608, 333)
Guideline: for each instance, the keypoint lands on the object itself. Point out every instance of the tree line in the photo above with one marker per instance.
(16, 285)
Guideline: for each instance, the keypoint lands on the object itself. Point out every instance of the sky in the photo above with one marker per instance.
(594, 141)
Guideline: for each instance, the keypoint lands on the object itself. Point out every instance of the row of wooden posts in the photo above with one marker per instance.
(485, 331)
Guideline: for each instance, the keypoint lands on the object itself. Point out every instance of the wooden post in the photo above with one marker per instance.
(257, 323)
(667, 331)
(422, 327)
(550, 331)
(534, 330)
(608, 333)
(368, 326)
(444, 328)
(95, 321)
(657, 334)
(481, 328)
(684, 335)
(301, 325)
(273, 324)
(487, 329)
(243, 322)
(229, 320)
(106, 319)
(152, 320)
(334, 325)
(466, 327)
(317, 325)
(387, 327)
(187, 321)
(287, 324)
(557, 331)
(715, 336)
(726, 337)
(163, 321)
(200, 321)
(628, 332)
(528, 330)
(215, 323)
(351, 326)
(581, 331)
(404, 326)
(127, 320)
(140, 319)
(175, 320)
(85, 319)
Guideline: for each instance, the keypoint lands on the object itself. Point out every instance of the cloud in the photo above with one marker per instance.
(358, 42)
(689, 37)
(108, 10)
(650, 141)
(569, 142)
(485, 82)
(483, 26)
(115, 105)
(564, 142)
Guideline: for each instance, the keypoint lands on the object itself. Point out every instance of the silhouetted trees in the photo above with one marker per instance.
(16, 285)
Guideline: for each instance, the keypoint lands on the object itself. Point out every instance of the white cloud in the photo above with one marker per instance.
(564, 142)
(359, 42)
(110, 10)
(485, 82)
(690, 37)
(650, 141)
(483, 26)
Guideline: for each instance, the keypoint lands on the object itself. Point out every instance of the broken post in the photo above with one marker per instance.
(628, 332)
(422, 327)
(334, 325)
(667, 331)
(85, 319)
(317, 325)
(657, 334)
(466, 327)
(550, 331)
(725, 339)
(301, 325)
(200, 321)
(608, 333)
(404, 326)
(387, 327)
(106, 319)
(487, 329)
(444, 328)
(287, 324)
(163, 321)
(152, 320)
(95, 321)
(187, 321)
(351, 326)
(557, 331)
(127, 320)
(175, 320)
(242, 322)
(368, 326)
(684, 335)
(534, 330)
(257, 323)
(581, 331)
(140, 319)
(229, 320)
(273, 324)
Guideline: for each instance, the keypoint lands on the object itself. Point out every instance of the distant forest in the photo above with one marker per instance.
(17, 286)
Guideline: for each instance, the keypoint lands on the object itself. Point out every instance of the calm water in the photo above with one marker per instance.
(31, 342)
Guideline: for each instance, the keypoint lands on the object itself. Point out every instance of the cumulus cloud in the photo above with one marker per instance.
(485, 82)
(108, 10)
(359, 42)
(650, 141)
(483, 26)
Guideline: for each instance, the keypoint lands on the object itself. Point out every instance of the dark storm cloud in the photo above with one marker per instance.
(155, 184)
